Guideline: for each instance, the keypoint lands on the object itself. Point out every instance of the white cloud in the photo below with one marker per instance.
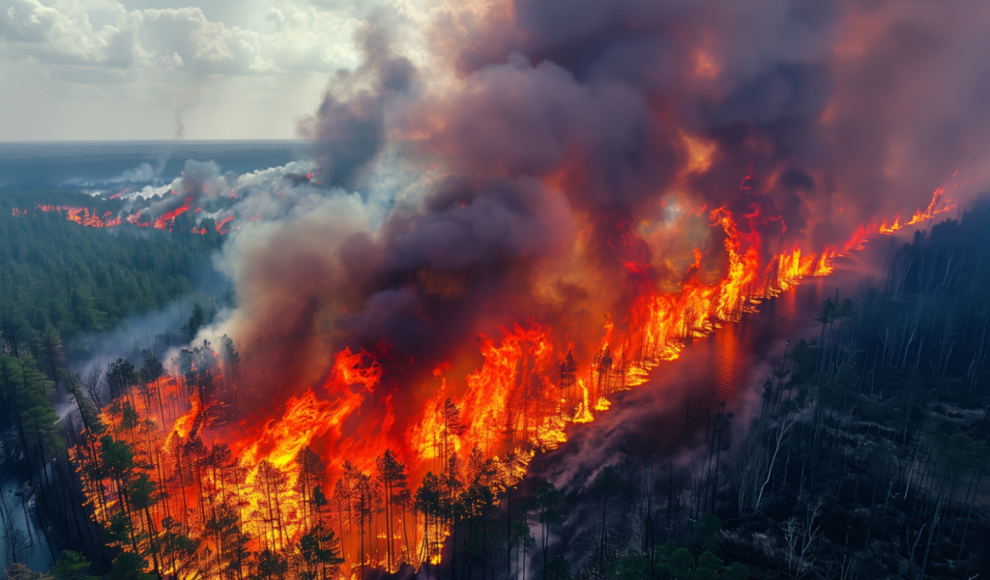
(103, 57)
(184, 38)
(307, 40)
(61, 34)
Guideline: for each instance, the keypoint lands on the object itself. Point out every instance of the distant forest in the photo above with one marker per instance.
(50, 165)
(868, 457)
(60, 281)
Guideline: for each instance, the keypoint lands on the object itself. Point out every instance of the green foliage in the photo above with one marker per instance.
(632, 566)
(522, 537)
(152, 370)
(128, 566)
(429, 496)
(117, 456)
(681, 564)
(667, 550)
(24, 403)
(709, 567)
(143, 492)
(175, 545)
(117, 531)
(69, 566)
(736, 572)
(195, 322)
(705, 574)
(709, 560)
(121, 375)
(706, 531)
(678, 563)
(59, 279)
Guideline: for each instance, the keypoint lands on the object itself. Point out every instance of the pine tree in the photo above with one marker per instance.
(548, 500)
(120, 377)
(392, 476)
(195, 322)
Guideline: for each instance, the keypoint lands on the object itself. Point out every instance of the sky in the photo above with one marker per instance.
(164, 69)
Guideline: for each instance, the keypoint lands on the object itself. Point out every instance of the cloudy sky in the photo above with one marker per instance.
(152, 69)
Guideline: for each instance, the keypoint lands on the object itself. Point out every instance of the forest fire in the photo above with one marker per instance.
(340, 465)
(84, 217)
(429, 327)
(886, 228)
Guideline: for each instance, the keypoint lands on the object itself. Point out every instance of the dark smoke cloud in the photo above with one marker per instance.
(466, 224)
(867, 106)
(463, 247)
(348, 128)
(539, 127)
(519, 119)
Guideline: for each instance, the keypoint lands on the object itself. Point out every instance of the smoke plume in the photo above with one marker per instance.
(544, 181)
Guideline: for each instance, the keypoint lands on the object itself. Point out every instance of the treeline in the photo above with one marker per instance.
(59, 280)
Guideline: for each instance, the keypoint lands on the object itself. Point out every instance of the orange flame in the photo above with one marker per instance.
(82, 216)
(517, 402)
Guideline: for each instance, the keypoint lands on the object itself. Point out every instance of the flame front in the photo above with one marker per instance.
(92, 219)
(314, 461)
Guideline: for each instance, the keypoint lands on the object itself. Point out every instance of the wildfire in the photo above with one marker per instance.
(163, 222)
(222, 223)
(82, 216)
(185, 424)
(492, 389)
(272, 482)
(864, 232)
